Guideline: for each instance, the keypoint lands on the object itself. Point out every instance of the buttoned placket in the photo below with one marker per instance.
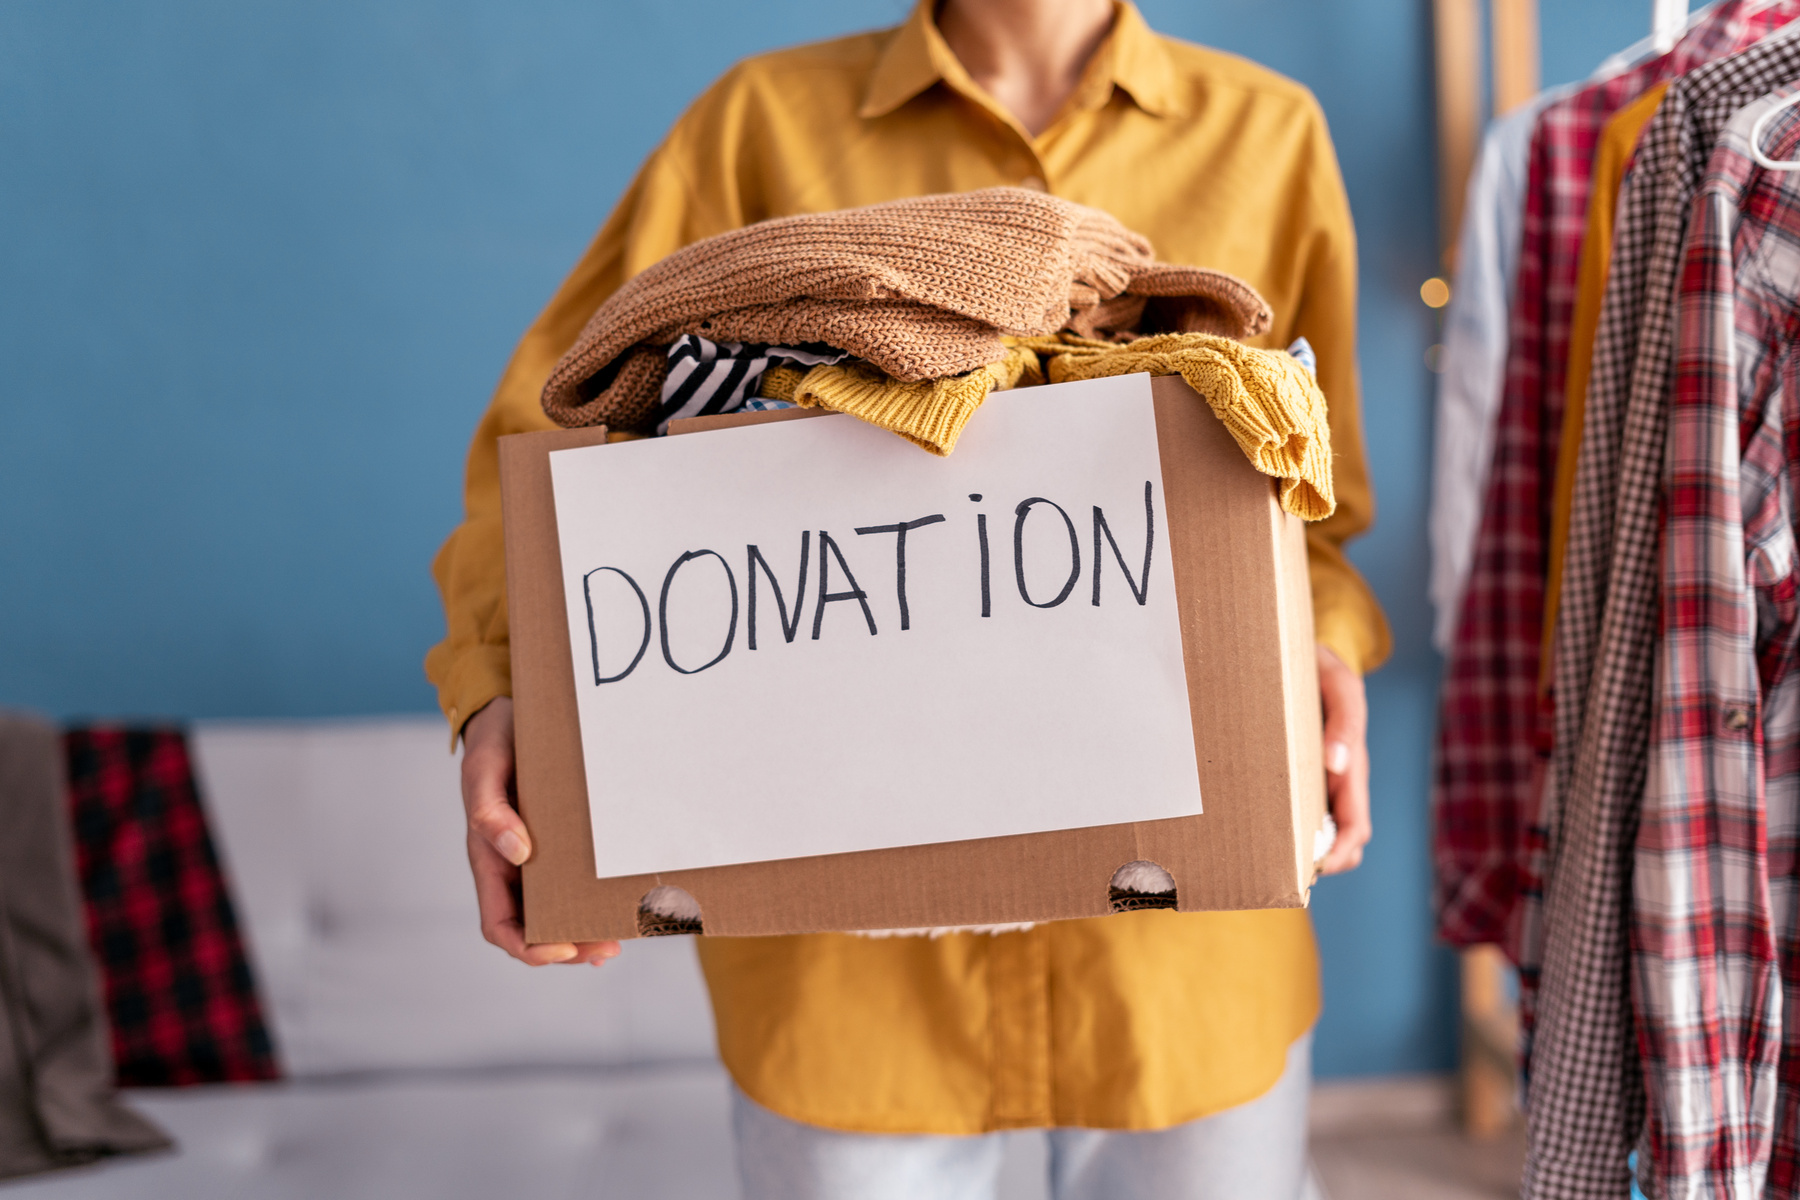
(1028, 168)
(1019, 1029)
(1023, 163)
(1019, 993)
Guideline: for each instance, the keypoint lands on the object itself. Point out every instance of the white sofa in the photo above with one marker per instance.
(422, 1062)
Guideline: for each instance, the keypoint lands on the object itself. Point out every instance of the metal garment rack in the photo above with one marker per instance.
(1490, 1019)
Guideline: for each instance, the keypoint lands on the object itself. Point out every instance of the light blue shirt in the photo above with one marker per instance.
(1473, 366)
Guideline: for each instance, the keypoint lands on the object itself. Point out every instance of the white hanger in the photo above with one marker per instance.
(1668, 18)
(1669, 21)
(1756, 136)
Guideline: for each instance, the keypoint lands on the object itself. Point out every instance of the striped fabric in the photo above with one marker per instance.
(1714, 902)
(708, 377)
(1309, 358)
(1586, 1102)
(1492, 735)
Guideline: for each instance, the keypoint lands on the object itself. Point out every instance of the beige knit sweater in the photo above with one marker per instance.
(922, 289)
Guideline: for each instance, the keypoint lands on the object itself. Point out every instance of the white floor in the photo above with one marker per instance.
(532, 1136)
(509, 1137)
(1427, 1164)
(1397, 1139)
(653, 1135)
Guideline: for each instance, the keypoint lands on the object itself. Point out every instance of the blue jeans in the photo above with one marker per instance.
(1256, 1151)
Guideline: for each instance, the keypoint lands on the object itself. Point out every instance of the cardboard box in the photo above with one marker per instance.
(1245, 613)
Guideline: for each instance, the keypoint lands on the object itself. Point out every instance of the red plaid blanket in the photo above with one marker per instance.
(179, 989)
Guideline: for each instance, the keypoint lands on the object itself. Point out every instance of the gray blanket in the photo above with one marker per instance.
(57, 1104)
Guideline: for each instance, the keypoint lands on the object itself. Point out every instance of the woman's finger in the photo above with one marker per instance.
(487, 776)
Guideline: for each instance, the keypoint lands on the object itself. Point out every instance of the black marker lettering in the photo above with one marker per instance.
(987, 602)
(855, 593)
(756, 559)
(594, 641)
(1020, 513)
(1100, 526)
(662, 611)
(899, 532)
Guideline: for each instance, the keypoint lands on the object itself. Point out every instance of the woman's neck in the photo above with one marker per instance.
(1027, 54)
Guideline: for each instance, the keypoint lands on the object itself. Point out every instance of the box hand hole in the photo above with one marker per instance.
(666, 911)
(1142, 884)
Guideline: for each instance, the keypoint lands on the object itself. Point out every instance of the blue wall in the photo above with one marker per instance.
(261, 265)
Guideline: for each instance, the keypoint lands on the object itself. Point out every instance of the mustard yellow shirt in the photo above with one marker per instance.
(1618, 141)
(1136, 1021)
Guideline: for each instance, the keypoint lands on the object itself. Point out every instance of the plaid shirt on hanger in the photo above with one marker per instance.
(1713, 937)
(1488, 758)
(1585, 1106)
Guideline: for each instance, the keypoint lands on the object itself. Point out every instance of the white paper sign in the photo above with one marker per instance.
(811, 637)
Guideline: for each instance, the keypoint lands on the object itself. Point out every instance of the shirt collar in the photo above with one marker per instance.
(1132, 58)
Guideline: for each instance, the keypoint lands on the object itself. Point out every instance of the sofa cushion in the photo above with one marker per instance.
(344, 843)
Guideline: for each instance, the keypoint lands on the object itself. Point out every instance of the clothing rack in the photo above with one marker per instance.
(1616, 770)
(1488, 1082)
(1512, 72)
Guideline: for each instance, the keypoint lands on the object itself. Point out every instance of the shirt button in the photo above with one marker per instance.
(1034, 183)
(1737, 719)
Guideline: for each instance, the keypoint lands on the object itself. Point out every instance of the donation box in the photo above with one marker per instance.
(822, 680)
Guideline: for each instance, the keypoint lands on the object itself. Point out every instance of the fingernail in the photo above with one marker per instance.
(609, 951)
(1337, 758)
(564, 956)
(512, 848)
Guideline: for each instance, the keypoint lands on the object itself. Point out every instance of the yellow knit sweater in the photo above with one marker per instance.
(1266, 398)
(930, 413)
(1270, 402)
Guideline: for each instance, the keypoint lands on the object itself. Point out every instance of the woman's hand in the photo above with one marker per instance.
(1346, 761)
(499, 845)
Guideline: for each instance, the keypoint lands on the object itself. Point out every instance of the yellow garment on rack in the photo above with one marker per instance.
(1618, 141)
(1266, 398)
(930, 413)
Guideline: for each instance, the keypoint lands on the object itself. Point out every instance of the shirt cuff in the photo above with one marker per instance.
(1347, 619)
(468, 681)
